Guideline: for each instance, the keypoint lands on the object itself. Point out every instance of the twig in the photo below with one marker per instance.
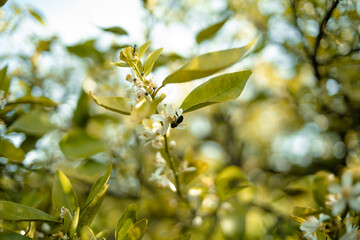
(336, 56)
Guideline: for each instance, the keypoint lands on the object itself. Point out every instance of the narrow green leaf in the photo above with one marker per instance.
(35, 123)
(129, 214)
(90, 210)
(2, 2)
(137, 231)
(121, 234)
(63, 194)
(37, 16)
(98, 185)
(210, 31)
(81, 113)
(78, 144)
(120, 64)
(115, 30)
(87, 233)
(139, 66)
(67, 221)
(115, 104)
(34, 100)
(218, 89)
(229, 181)
(304, 212)
(142, 49)
(207, 64)
(13, 236)
(4, 80)
(150, 60)
(74, 222)
(19, 212)
(9, 151)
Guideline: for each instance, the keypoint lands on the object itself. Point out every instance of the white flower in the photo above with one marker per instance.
(313, 224)
(170, 117)
(161, 179)
(348, 194)
(185, 168)
(351, 232)
(159, 160)
(152, 136)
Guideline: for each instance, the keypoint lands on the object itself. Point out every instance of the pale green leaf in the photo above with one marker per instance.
(87, 233)
(120, 64)
(115, 104)
(137, 231)
(129, 214)
(229, 181)
(121, 234)
(4, 80)
(144, 108)
(320, 185)
(210, 31)
(19, 212)
(115, 30)
(142, 49)
(218, 89)
(74, 222)
(78, 144)
(90, 210)
(34, 100)
(35, 123)
(236, 217)
(304, 212)
(9, 151)
(207, 64)
(150, 60)
(63, 194)
(98, 185)
(37, 16)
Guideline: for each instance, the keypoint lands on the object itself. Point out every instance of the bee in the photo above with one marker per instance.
(176, 120)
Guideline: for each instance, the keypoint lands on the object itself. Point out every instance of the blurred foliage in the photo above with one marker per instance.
(264, 163)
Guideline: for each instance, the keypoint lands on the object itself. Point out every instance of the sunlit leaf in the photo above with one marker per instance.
(9, 151)
(4, 80)
(207, 64)
(98, 185)
(120, 64)
(115, 104)
(87, 233)
(37, 16)
(229, 181)
(137, 231)
(63, 194)
(218, 89)
(150, 60)
(91, 209)
(19, 212)
(115, 30)
(210, 31)
(126, 55)
(142, 49)
(304, 212)
(35, 123)
(124, 223)
(78, 144)
(74, 222)
(34, 100)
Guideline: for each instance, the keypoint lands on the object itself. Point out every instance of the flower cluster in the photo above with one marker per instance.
(161, 174)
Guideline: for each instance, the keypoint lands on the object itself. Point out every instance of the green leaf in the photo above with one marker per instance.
(86, 49)
(35, 123)
(115, 30)
(67, 221)
(81, 113)
(9, 151)
(137, 231)
(186, 236)
(236, 218)
(320, 185)
(229, 181)
(129, 214)
(210, 31)
(120, 64)
(78, 144)
(13, 236)
(2, 2)
(115, 104)
(150, 60)
(74, 222)
(207, 64)
(218, 89)
(4, 80)
(87, 233)
(63, 194)
(19, 212)
(90, 210)
(34, 100)
(304, 212)
(98, 185)
(121, 234)
(37, 16)
(145, 108)
(142, 49)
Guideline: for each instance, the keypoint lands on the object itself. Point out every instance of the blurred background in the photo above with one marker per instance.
(298, 115)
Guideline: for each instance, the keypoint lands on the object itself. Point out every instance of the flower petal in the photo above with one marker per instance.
(354, 204)
(346, 179)
(164, 128)
(334, 188)
(338, 207)
(157, 118)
